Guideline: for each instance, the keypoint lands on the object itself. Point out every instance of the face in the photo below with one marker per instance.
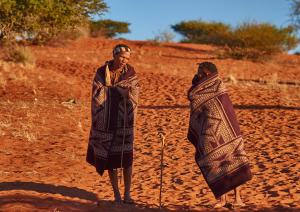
(121, 59)
(202, 73)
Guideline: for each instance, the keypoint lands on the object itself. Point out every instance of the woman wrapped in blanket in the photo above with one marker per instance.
(114, 107)
(214, 131)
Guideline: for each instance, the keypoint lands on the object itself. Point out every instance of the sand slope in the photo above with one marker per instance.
(43, 135)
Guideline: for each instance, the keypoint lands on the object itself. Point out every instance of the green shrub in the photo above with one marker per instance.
(250, 40)
(199, 31)
(108, 28)
(63, 38)
(295, 13)
(243, 53)
(38, 21)
(264, 37)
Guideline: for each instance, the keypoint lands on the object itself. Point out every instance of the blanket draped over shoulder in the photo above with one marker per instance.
(110, 112)
(214, 131)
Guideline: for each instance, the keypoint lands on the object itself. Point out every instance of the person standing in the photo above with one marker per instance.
(114, 108)
(215, 133)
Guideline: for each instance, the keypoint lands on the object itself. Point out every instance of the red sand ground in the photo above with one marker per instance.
(43, 136)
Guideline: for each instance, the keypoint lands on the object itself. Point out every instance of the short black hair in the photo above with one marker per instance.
(212, 68)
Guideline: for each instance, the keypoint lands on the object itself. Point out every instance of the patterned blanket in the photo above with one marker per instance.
(214, 131)
(110, 112)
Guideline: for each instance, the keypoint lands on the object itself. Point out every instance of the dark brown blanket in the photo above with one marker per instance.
(107, 130)
(215, 133)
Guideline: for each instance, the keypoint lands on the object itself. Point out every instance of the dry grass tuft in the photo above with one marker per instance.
(273, 82)
(4, 125)
(232, 79)
(3, 81)
(20, 54)
(27, 133)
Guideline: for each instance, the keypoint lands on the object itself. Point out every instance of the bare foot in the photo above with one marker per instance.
(221, 203)
(117, 202)
(238, 203)
(118, 198)
(128, 200)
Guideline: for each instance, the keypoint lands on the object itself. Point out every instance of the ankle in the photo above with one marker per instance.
(127, 194)
(223, 198)
(117, 193)
(238, 200)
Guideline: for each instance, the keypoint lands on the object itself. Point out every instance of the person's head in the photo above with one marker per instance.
(121, 54)
(205, 69)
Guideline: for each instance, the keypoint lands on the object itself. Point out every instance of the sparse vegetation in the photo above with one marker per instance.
(19, 54)
(250, 40)
(198, 31)
(108, 28)
(44, 133)
(273, 80)
(264, 37)
(3, 80)
(242, 53)
(232, 79)
(26, 132)
(295, 13)
(38, 21)
(164, 36)
(63, 38)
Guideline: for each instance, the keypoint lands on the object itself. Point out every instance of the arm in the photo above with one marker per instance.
(123, 91)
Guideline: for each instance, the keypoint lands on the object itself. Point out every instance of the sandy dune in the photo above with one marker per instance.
(43, 135)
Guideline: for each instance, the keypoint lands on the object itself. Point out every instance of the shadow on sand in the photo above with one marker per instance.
(240, 107)
(50, 189)
(190, 58)
(189, 48)
(85, 200)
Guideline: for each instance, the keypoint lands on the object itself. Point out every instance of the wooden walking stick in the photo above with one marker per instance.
(124, 127)
(162, 137)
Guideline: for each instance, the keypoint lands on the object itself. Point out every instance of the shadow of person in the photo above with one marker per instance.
(240, 107)
(20, 202)
(49, 188)
(85, 200)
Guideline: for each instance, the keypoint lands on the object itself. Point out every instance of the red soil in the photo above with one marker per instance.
(43, 136)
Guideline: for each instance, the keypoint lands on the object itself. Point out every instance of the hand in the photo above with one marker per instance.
(123, 91)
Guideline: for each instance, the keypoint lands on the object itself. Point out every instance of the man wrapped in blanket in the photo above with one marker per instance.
(214, 131)
(114, 108)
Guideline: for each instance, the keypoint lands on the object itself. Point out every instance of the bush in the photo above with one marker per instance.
(264, 37)
(164, 36)
(63, 38)
(242, 53)
(19, 54)
(295, 13)
(39, 21)
(249, 40)
(204, 32)
(108, 28)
